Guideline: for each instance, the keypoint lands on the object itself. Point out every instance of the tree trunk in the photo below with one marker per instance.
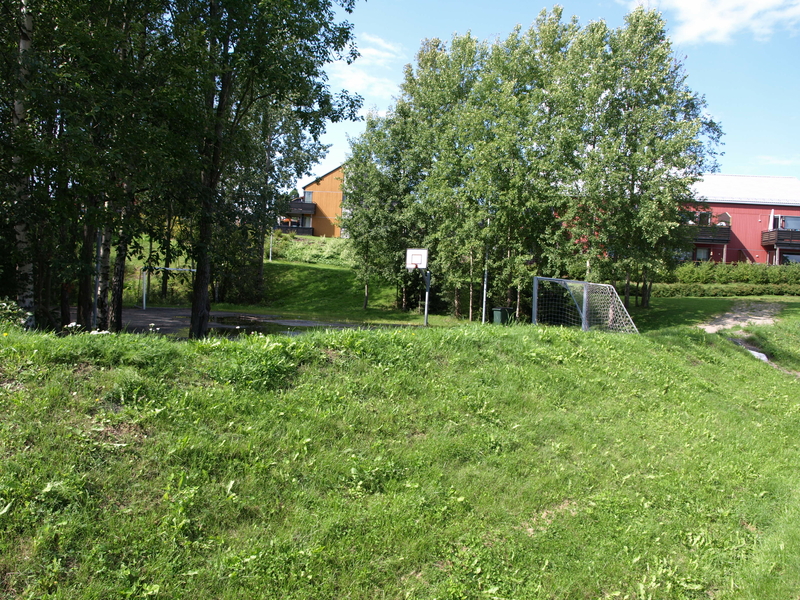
(647, 287)
(628, 289)
(25, 283)
(519, 303)
(212, 153)
(167, 256)
(85, 286)
(260, 245)
(471, 288)
(118, 283)
(103, 280)
(66, 317)
(457, 302)
(366, 295)
(201, 303)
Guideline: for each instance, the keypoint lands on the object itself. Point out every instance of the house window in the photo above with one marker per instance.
(308, 196)
(702, 254)
(789, 259)
(704, 219)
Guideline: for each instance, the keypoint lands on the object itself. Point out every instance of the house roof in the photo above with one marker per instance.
(321, 177)
(748, 189)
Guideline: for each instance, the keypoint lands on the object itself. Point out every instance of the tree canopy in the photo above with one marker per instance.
(129, 118)
(560, 150)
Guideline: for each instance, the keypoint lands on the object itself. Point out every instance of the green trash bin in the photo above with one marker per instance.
(502, 315)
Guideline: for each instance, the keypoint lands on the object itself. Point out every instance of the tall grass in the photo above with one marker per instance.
(466, 462)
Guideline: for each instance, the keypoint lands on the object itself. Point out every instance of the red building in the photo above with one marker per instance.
(749, 218)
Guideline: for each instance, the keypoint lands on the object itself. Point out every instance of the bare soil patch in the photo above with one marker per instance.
(744, 313)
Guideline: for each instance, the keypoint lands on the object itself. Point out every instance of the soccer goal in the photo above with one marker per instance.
(579, 304)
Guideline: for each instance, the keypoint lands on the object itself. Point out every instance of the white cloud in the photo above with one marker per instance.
(377, 41)
(781, 161)
(376, 74)
(719, 20)
(354, 78)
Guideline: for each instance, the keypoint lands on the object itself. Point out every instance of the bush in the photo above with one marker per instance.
(326, 251)
(741, 272)
(11, 314)
(677, 290)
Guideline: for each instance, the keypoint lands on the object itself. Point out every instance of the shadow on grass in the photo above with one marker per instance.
(671, 312)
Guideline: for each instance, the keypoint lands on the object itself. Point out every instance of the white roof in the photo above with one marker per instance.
(748, 189)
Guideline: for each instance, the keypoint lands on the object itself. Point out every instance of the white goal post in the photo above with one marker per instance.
(579, 304)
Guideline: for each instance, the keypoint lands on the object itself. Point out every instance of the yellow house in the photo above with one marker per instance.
(316, 212)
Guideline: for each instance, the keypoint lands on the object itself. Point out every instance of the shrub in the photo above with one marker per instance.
(11, 314)
(741, 272)
(677, 290)
(328, 251)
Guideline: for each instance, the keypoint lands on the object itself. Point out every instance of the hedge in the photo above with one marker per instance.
(740, 272)
(672, 290)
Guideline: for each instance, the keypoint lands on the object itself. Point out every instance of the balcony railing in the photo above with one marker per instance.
(781, 238)
(295, 230)
(302, 208)
(713, 235)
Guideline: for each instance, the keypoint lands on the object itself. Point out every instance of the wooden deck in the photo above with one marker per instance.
(781, 238)
(713, 235)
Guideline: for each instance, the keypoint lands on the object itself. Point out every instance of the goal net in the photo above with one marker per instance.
(579, 304)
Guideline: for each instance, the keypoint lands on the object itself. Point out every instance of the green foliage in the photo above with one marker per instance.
(558, 150)
(674, 290)
(187, 122)
(739, 272)
(465, 462)
(313, 250)
(11, 314)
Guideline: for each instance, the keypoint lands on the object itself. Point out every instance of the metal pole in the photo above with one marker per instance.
(145, 283)
(585, 315)
(427, 294)
(535, 307)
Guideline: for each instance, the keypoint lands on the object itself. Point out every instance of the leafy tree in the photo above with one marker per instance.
(642, 147)
(243, 52)
(552, 151)
(380, 177)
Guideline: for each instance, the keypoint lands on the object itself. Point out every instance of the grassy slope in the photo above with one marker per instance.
(329, 293)
(466, 462)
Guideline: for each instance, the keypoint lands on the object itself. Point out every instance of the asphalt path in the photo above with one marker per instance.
(175, 321)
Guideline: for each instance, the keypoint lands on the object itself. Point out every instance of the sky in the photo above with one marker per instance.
(742, 55)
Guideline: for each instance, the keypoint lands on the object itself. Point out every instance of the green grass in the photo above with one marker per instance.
(670, 312)
(329, 293)
(461, 462)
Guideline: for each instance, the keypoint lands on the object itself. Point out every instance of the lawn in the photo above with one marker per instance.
(460, 462)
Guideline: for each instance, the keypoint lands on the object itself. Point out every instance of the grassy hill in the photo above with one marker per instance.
(463, 462)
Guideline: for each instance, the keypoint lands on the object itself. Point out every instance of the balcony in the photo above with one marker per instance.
(713, 235)
(298, 207)
(295, 230)
(781, 238)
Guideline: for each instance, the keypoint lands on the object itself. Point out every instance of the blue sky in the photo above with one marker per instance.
(743, 55)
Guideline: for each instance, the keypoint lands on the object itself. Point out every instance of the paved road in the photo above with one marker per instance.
(175, 321)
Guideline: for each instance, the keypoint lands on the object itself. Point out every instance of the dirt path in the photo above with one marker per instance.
(744, 313)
